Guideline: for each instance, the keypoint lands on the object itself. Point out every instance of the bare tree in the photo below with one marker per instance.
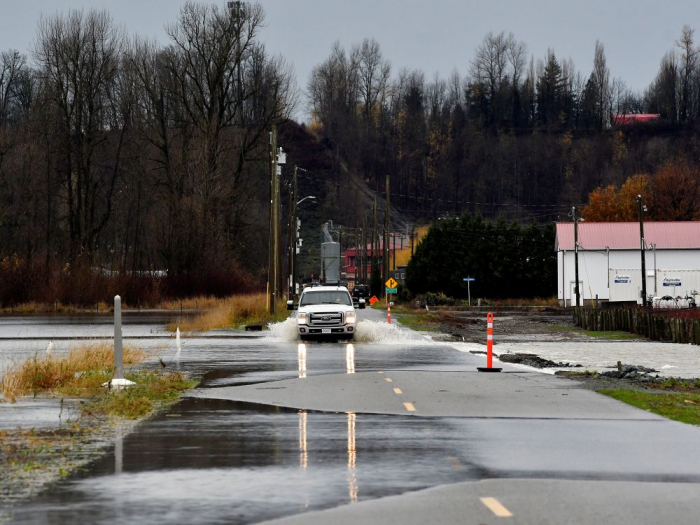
(688, 65)
(601, 80)
(488, 68)
(374, 72)
(78, 55)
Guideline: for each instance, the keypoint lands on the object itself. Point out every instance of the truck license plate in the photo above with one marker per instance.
(325, 330)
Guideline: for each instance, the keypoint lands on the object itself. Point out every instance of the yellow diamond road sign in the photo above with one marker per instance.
(391, 283)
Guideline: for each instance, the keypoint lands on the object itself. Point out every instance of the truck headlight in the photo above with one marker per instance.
(350, 318)
(301, 317)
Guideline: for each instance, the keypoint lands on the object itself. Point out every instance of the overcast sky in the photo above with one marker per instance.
(433, 36)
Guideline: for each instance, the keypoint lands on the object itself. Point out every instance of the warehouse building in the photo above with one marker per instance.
(610, 265)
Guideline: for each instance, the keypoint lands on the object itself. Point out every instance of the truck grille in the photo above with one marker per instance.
(326, 319)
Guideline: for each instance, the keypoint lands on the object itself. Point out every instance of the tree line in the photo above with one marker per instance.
(122, 157)
(506, 259)
(514, 135)
(129, 165)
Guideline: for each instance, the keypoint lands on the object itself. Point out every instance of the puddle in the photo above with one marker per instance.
(39, 414)
(226, 462)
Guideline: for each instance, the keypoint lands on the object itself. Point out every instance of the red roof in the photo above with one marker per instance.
(634, 118)
(625, 235)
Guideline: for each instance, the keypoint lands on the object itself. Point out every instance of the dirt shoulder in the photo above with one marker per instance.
(544, 325)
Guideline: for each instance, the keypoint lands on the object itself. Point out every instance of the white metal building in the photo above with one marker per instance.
(610, 264)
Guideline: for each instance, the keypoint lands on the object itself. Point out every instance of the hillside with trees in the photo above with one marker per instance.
(516, 136)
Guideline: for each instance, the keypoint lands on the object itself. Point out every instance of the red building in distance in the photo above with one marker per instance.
(634, 118)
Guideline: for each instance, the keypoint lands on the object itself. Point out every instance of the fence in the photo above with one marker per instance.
(681, 326)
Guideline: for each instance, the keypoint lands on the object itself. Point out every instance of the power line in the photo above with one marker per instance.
(310, 175)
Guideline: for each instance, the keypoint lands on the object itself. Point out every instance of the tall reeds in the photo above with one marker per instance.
(82, 370)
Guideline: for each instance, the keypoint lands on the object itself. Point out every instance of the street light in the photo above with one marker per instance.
(302, 200)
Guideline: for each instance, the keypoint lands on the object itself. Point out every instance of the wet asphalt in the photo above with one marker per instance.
(211, 460)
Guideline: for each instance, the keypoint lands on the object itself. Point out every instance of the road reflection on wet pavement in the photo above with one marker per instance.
(259, 361)
(209, 461)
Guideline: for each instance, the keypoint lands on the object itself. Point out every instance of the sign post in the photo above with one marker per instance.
(391, 288)
(469, 280)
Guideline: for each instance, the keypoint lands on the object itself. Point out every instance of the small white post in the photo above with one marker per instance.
(118, 382)
(118, 349)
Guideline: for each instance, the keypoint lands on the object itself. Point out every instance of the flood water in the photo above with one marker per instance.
(216, 461)
(223, 462)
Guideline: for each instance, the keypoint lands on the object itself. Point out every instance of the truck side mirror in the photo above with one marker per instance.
(290, 305)
(361, 303)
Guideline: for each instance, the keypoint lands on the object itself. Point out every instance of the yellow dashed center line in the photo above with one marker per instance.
(380, 372)
(409, 407)
(495, 506)
(397, 391)
(388, 380)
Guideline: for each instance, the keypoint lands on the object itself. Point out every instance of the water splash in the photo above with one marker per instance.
(283, 331)
(178, 347)
(382, 332)
(367, 332)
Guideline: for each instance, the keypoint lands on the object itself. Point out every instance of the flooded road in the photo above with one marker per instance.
(222, 462)
(214, 459)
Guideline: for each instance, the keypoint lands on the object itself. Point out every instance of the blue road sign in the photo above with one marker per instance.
(469, 279)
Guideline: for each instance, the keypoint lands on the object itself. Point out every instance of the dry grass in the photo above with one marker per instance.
(81, 371)
(152, 388)
(57, 307)
(219, 316)
(535, 301)
(192, 303)
(232, 312)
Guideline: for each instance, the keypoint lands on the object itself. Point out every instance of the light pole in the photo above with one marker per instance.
(642, 242)
(576, 287)
(296, 224)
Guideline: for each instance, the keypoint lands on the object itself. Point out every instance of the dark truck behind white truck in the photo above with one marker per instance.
(326, 312)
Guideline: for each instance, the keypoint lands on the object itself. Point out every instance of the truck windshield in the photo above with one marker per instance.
(325, 298)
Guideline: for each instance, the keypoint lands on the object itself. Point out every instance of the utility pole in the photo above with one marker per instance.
(374, 234)
(271, 150)
(290, 237)
(576, 290)
(364, 249)
(293, 235)
(413, 234)
(280, 159)
(387, 205)
(274, 227)
(340, 252)
(642, 243)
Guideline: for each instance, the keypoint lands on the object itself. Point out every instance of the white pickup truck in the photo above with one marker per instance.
(326, 312)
